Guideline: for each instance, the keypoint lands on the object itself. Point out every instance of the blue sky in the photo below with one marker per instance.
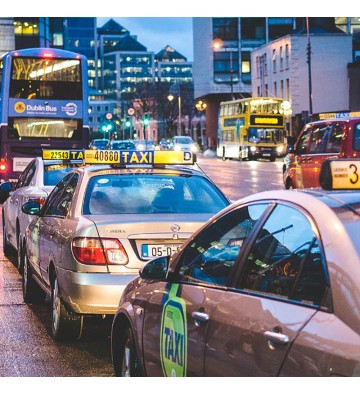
(157, 32)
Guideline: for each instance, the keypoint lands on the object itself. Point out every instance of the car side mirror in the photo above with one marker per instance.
(32, 208)
(5, 189)
(155, 269)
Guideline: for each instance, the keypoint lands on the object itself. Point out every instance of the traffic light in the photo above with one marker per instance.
(146, 119)
(127, 123)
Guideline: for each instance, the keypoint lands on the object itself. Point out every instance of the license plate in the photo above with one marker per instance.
(156, 250)
(266, 154)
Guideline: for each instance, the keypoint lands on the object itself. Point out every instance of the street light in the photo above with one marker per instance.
(218, 44)
(171, 98)
(201, 106)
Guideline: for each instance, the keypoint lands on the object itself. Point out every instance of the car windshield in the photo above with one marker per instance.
(184, 140)
(122, 145)
(100, 143)
(54, 173)
(149, 193)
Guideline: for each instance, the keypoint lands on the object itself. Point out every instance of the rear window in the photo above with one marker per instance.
(146, 194)
(54, 173)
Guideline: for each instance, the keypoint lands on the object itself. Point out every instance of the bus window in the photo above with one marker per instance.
(356, 143)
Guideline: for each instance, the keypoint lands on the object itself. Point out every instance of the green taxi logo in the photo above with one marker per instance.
(173, 336)
(19, 107)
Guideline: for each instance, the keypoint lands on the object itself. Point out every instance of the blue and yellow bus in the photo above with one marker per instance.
(44, 104)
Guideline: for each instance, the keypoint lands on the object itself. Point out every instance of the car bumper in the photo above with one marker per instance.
(92, 293)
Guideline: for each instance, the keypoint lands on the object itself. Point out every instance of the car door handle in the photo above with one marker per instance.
(276, 337)
(199, 316)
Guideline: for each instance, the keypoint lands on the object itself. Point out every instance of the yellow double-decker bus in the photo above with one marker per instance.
(251, 128)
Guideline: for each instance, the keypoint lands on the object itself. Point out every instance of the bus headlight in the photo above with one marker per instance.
(253, 148)
(280, 149)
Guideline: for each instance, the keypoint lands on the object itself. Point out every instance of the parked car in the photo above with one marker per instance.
(318, 141)
(267, 287)
(34, 184)
(102, 223)
(184, 143)
(99, 144)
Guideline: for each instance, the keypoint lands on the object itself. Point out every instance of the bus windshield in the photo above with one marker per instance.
(43, 127)
(257, 135)
(34, 78)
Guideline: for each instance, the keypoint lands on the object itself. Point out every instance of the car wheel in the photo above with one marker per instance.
(32, 293)
(65, 324)
(6, 246)
(289, 184)
(20, 254)
(125, 358)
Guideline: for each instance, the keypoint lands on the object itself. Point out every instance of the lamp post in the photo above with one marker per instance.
(217, 44)
(171, 98)
(201, 106)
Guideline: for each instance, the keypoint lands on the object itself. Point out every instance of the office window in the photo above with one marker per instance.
(225, 28)
(281, 59)
(287, 56)
(274, 60)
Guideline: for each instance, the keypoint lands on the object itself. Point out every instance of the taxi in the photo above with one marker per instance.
(267, 287)
(34, 184)
(102, 222)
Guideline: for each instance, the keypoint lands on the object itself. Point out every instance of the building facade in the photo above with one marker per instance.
(7, 37)
(223, 68)
(281, 69)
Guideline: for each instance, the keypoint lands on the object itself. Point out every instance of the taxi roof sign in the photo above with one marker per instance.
(67, 155)
(340, 174)
(134, 157)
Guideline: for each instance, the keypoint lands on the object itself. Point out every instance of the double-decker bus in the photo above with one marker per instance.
(44, 104)
(251, 128)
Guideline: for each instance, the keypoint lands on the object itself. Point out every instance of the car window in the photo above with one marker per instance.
(64, 202)
(149, 193)
(54, 173)
(326, 138)
(356, 138)
(30, 174)
(302, 144)
(21, 181)
(49, 207)
(286, 259)
(211, 256)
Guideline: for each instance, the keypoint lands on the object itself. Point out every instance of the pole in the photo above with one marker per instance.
(231, 76)
(309, 65)
(179, 124)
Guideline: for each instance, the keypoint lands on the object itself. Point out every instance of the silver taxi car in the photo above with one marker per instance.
(268, 287)
(102, 223)
(34, 184)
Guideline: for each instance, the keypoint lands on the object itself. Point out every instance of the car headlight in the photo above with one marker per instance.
(280, 149)
(177, 147)
(253, 148)
(194, 148)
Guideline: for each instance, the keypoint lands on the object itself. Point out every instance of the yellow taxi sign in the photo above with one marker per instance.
(340, 174)
(132, 157)
(62, 154)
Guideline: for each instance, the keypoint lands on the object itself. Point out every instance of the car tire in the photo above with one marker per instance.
(289, 184)
(32, 293)
(7, 250)
(125, 358)
(65, 324)
(20, 254)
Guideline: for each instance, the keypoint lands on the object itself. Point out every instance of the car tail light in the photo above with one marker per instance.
(95, 251)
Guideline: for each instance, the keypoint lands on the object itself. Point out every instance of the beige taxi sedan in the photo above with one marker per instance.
(102, 223)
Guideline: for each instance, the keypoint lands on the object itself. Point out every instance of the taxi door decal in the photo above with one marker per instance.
(173, 335)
